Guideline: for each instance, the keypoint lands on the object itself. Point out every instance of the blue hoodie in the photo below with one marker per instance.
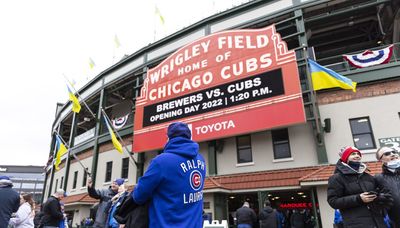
(174, 183)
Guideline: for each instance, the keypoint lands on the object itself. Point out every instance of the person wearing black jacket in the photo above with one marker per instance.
(246, 217)
(390, 177)
(52, 214)
(9, 200)
(268, 216)
(357, 195)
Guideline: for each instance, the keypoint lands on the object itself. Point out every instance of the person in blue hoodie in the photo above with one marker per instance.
(173, 182)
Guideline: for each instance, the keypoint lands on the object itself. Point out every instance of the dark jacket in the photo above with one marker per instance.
(297, 220)
(9, 203)
(268, 218)
(392, 181)
(52, 214)
(344, 189)
(38, 218)
(104, 195)
(132, 214)
(245, 215)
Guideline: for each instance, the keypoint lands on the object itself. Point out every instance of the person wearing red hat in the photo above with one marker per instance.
(359, 197)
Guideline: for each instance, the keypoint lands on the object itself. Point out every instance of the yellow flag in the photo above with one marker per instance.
(60, 151)
(91, 63)
(76, 107)
(114, 139)
(116, 41)
(158, 13)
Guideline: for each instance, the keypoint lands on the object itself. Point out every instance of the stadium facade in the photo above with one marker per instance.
(287, 152)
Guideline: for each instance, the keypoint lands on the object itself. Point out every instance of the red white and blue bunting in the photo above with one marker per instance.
(119, 122)
(370, 58)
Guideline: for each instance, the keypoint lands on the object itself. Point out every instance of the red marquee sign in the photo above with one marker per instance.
(224, 84)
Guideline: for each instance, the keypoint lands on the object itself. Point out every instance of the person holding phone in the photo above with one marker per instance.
(390, 177)
(355, 192)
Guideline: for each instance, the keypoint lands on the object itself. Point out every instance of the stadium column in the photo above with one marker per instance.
(310, 105)
(95, 155)
(261, 196)
(314, 206)
(220, 206)
(51, 170)
(140, 157)
(70, 145)
(212, 158)
(140, 165)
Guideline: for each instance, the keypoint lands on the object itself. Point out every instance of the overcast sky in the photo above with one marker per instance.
(42, 40)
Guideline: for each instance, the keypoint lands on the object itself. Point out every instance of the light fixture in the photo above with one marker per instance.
(292, 198)
(232, 197)
(304, 196)
(300, 193)
(269, 195)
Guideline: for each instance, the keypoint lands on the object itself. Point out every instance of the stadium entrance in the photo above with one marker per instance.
(297, 204)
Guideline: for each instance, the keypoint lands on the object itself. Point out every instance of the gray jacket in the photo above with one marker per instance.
(104, 195)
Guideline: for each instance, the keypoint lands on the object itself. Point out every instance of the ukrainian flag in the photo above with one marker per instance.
(324, 78)
(60, 151)
(76, 107)
(114, 139)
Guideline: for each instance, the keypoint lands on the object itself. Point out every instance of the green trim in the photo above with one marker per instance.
(261, 196)
(220, 206)
(375, 73)
(212, 158)
(140, 166)
(70, 145)
(314, 206)
(52, 170)
(96, 138)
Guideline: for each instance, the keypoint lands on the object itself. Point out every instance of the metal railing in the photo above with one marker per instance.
(344, 66)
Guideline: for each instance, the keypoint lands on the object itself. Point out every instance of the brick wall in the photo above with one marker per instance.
(363, 91)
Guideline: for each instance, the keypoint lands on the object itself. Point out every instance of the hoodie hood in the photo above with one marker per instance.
(268, 209)
(182, 146)
(346, 169)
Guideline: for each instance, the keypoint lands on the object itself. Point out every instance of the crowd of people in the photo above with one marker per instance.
(363, 200)
(268, 217)
(169, 194)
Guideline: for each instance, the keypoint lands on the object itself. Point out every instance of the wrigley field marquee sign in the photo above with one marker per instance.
(225, 84)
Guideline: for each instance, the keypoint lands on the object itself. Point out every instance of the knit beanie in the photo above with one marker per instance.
(346, 151)
(179, 129)
(383, 149)
(119, 181)
(4, 178)
(5, 182)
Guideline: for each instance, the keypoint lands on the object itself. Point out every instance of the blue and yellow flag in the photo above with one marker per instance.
(114, 139)
(324, 78)
(76, 107)
(60, 151)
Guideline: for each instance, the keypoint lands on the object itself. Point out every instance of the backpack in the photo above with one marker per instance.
(132, 214)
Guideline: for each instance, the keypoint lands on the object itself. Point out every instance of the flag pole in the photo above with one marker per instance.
(73, 154)
(76, 91)
(119, 137)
